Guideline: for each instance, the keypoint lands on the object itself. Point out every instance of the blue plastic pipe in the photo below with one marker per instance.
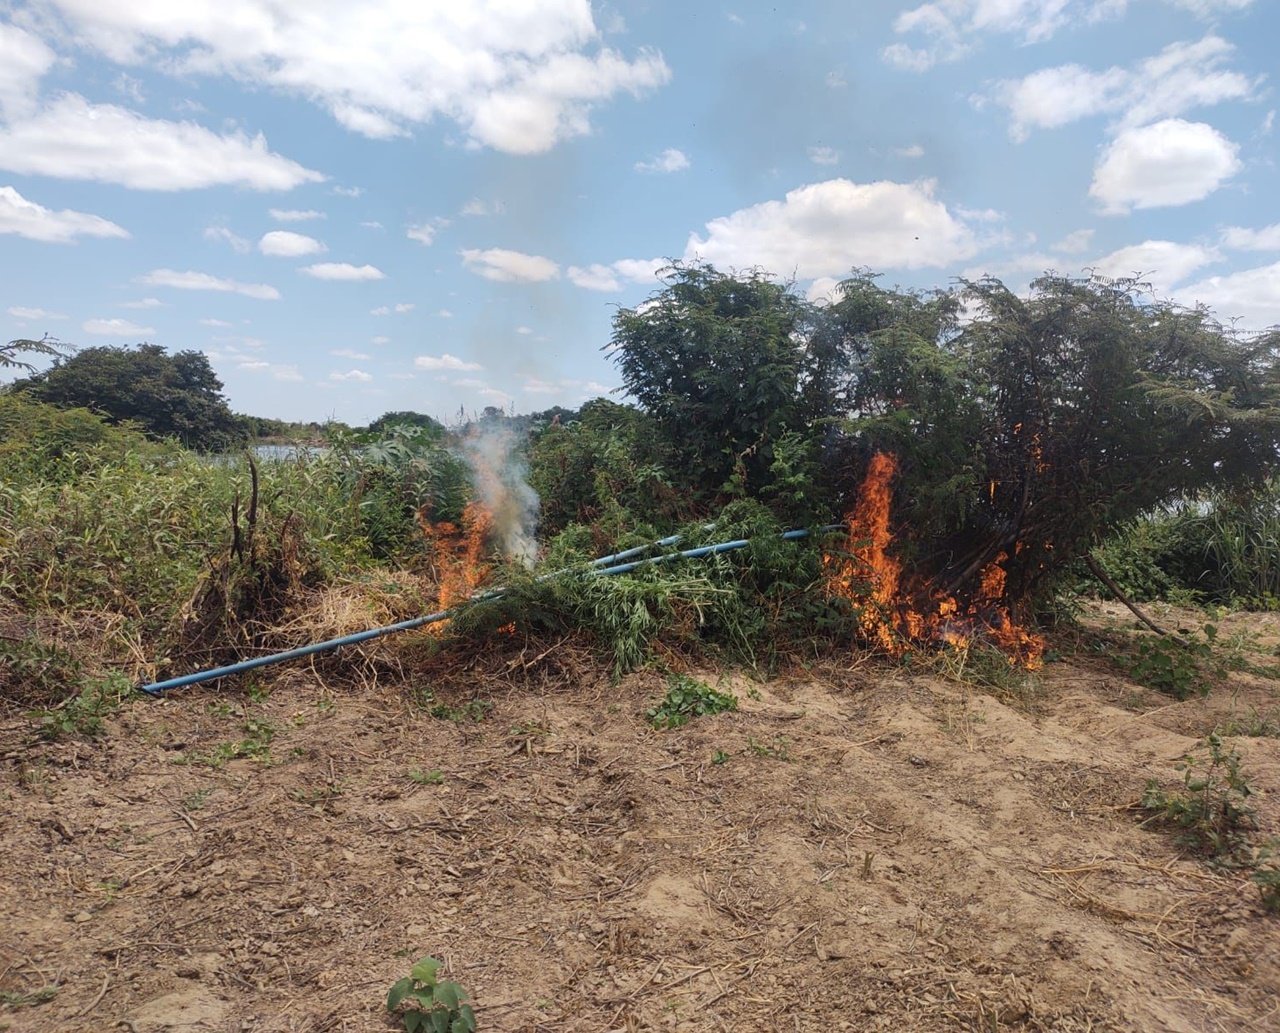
(161, 687)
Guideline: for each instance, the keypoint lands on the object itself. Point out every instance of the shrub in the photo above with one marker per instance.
(686, 699)
(1212, 813)
(426, 1004)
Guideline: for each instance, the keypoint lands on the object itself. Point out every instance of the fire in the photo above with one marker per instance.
(892, 615)
(459, 550)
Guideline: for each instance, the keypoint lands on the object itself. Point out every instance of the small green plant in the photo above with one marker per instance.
(425, 1004)
(434, 777)
(472, 710)
(719, 757)
(1254, 725)
(28, 999)
(1267, 876)
(84, 713)
(1212, 813)
(1175, 666)
(194, 801)
(688, 698)
(776, 749)
(256, 745)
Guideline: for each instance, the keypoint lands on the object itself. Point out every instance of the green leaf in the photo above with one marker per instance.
(447, 995)
(425, 971)
(414, 1022)
(469, 1017)
(440, 1021)
(397, 992)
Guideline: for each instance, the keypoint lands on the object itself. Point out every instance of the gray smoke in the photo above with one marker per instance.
(502, 481)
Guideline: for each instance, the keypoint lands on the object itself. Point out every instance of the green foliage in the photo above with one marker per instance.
(388, 421)
(1212, 813)
(686, 699)
(16, 999)
(10, 354)
(425, 1003)
(1267, 877)
(1176, 666)
(83, 713)
(434, 777)
(602, 469)
(719, 363)
(169, 396)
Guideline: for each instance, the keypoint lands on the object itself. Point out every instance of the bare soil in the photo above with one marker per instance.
(857, 847)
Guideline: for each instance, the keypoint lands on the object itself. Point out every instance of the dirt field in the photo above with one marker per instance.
(857, 849)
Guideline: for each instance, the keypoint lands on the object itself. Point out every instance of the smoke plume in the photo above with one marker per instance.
(501, 476)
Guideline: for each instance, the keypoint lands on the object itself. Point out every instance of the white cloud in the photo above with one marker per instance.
(347, 353)
(348, 191)
(25, 60)
(143, 303)
(380, 340)
(425, 232)
(911, 151)
(444, 313)
(1182, 77)
(518, 77)
(36, 222)
(507, 266)
(343, 271)
(1242, 239)
(1075, 242)
(278, 371)
(358, 375)
(1162, 263)
(295, 214)
(949, 30)
(73, 139)
(1252, 296)
(534, 386)
(222, 235)
(116, 328)
(478, 206)
(405, 306)
(214, 322)
(1165, 164)
(824, 155)
(826, 228)
(1208, 8)
(446, 361)
(193, 281)
(610, 277)
(670, 160)
(381, 310)
(823, 289)
(524, 330)
(372, 224)
(594, 277)
(284, 244)
(22, 312)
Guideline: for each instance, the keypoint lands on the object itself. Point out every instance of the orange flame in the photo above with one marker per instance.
(892, 616)
(459, 553)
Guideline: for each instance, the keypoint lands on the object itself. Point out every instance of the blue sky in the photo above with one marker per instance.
(356, 206)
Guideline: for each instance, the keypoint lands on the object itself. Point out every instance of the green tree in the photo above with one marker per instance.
(407, 418)
(1049, 421)
(168, 396)
(720, 363)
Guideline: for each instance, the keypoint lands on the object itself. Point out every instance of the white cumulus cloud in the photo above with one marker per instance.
(1168, 163)
(515, 75)
(824, 229)
(670, 160)
(36, 222)
(1251, 295)
(284, 244)
(24, 59)
(1182, 77)
(116, 328)
(22, 312)
(143, 303)
(343, 271)
(446, 361)
(507, 266)
(194, 281)
(1242, 239)
(294, 214)
(598, 277)
(222, 235)
(425, 232)
(73, 139)
(358, 375)
(1162, 263)
(824, 155)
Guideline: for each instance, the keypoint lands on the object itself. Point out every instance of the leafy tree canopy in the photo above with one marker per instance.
(168, 396)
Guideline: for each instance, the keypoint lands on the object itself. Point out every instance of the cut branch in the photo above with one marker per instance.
(1118, 592)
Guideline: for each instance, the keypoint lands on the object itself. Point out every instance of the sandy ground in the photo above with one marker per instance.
(856, 848)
